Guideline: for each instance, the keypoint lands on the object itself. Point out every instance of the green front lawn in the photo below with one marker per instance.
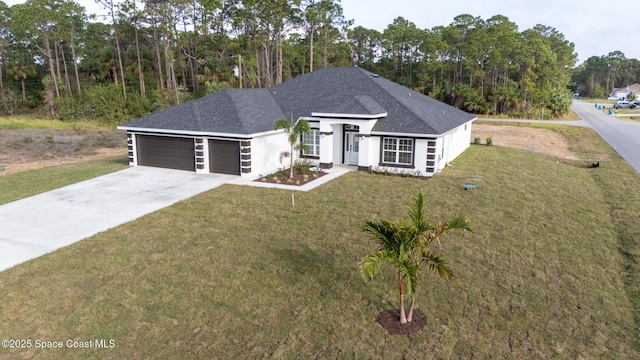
(550, 271)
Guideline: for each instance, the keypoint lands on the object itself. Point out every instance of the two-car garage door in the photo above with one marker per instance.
(166, 152)
(179, 153)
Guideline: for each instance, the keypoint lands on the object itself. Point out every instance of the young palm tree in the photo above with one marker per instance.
(406, 246)
(293, 131)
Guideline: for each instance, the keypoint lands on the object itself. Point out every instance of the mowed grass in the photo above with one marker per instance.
(551, 270)
(23, 184)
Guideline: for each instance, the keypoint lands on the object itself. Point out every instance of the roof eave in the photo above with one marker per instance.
(349, 116)
(418, 135)
(197, 133)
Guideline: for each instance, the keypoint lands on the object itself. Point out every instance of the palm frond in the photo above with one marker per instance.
(416, 209)
(371, 264)
(301, 127)
(458, 223)
(385, 233)
(282, 124)
(437, 265)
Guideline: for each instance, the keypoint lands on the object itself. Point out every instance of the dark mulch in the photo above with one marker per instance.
(390, 320)
(282, 177)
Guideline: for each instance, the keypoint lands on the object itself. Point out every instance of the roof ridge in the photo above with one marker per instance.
(376, 76)
(196, 112)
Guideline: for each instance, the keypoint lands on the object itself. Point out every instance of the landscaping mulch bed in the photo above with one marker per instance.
(390, 320)
(298, 179)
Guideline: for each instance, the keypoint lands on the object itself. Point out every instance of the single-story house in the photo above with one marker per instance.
(624, 92)
(357, 118)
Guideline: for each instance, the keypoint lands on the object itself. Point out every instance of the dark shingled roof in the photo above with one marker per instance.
(329, 90)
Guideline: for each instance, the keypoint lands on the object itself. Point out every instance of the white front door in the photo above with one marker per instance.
(351, 147)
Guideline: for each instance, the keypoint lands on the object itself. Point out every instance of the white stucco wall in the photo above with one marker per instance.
(456, 141)
(419, 159)
(265, 154)
(448, 146)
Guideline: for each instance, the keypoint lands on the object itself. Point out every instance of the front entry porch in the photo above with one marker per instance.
(347, 143)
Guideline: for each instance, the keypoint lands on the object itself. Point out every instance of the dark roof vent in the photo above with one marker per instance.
(375, 75)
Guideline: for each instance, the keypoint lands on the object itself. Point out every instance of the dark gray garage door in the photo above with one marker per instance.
(224, 157)
(166, 152)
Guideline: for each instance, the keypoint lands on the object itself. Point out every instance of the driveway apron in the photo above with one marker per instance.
(42, 223)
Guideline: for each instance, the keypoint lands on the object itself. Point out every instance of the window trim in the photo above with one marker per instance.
(312, 156)
(397, 151)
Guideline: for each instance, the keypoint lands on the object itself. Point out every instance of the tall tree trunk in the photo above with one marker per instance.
(73, 55)
(56, 44)
(310, 52)
(325, 49)
(109, 5)
(114, 70)
(279, 55)
(156, 48)
(66, 73)
(172, 84)
(124, 85)
(258, 69)
(23, 79)
(49, 96)
(267, 72)
(52, 72)
(1, 84)
(140, 70)
(403, 317)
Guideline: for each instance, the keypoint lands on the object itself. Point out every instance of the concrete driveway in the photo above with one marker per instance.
(40, 224)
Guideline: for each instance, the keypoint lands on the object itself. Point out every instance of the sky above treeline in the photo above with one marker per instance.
(595, 27)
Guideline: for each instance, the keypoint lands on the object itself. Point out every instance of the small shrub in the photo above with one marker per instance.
(489, 141)
(302, 167)
(476, 140)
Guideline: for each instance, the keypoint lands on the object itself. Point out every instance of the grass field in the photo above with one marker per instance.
(20, 122)
(552, 270)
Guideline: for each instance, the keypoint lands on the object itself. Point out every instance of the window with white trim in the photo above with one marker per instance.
(397, 151)
(311, 140)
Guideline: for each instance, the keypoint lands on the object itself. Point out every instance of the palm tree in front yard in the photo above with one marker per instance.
(293, 132)
(406, 245)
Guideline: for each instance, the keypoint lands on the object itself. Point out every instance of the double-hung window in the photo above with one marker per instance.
(397, 151)
(311, 140)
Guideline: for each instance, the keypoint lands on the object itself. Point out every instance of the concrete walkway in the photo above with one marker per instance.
(43, 223)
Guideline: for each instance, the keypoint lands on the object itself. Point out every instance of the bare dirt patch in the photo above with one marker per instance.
(542, 141)
(390, 320)
(22, 150)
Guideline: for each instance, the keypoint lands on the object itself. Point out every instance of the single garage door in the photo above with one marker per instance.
(224, 157)
(166, 152)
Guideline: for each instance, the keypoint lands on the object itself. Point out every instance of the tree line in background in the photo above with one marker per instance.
(152, 54)
(598, 76)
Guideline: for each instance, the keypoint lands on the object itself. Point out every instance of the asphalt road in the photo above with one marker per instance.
(623, 136)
